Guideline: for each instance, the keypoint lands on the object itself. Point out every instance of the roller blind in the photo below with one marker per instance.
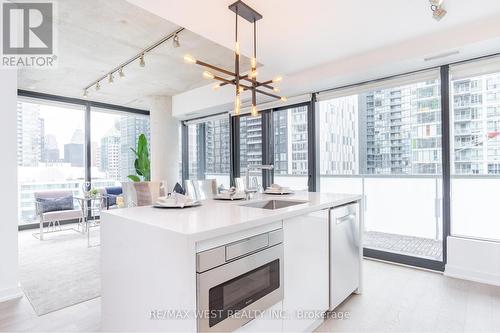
(205, 119)
(279, 104)
(398, 81)
(475, 68)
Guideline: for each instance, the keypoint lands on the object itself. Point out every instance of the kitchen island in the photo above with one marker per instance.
(151, 264)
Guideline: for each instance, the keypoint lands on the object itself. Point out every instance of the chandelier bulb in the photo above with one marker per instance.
(276, 89)
(254, 62)
(254, 112)
(216, 86)
(237, 48)
(237, 105)
(283, 99)
(188, 59)
(207, 75)
(277, 79)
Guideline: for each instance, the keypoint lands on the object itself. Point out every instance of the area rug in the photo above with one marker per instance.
(59, 271)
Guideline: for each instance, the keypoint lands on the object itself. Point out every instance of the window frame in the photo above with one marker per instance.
(87, 106)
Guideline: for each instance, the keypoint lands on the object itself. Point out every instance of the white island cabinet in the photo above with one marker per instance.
(151, 268)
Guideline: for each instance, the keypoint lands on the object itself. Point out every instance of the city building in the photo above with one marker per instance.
(110, 151)
(30, 133)
(50, 153)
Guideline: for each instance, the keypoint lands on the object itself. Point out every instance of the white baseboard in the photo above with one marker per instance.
(12, 293)
(471, 275)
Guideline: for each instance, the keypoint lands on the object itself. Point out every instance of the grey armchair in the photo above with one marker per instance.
(53, 207)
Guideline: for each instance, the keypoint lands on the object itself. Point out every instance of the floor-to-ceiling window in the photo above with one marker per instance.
(251, 147)
(209, 150)
(52, 146)
(50, 151)
(290, 147)
(475, 148)
(383, 140)
(113, 134)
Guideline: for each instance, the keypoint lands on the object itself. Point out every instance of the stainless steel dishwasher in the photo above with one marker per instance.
(344, 252)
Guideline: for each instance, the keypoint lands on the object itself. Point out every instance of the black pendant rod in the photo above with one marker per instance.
(254, 65)
(237, 66)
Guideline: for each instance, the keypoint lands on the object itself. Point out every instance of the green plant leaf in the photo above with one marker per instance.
(134, 178)
(142, 164)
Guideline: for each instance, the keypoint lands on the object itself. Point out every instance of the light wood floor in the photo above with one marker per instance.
(395, 299)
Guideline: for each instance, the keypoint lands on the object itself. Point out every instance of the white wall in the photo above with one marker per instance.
(9, 286)
(164, 142)
(474, 260)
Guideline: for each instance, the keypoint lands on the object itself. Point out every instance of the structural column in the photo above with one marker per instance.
(164, 142)
(9, 277)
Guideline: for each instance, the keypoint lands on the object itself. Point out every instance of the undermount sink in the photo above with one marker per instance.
(273, 204)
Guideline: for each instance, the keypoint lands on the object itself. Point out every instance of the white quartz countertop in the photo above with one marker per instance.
(216, 217)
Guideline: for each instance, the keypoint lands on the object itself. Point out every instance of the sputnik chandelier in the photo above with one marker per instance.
(242, 82)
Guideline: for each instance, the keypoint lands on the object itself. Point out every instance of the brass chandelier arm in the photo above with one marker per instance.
(268, 94)
(215, 68)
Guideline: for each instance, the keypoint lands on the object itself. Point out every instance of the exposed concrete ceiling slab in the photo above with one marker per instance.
(95, 36)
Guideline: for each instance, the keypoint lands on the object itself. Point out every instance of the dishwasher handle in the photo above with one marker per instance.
(345, 218)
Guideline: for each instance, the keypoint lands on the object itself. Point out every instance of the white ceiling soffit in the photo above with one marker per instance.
(96, 36)
(297, 34)
(320, 44)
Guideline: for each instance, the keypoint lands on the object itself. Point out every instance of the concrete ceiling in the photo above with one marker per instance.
(95, 36)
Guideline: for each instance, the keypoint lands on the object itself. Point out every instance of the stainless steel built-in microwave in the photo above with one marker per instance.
(237, 281)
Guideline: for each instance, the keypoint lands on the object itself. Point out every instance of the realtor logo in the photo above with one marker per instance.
(28, 34)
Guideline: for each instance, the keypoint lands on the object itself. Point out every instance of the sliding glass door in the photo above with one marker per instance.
(290, 147)
(383, 140)
(50, 151)
(475, 149)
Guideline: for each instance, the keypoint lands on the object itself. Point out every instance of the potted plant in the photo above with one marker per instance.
(142, 163)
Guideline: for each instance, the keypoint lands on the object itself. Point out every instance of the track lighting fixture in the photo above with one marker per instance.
(120, 69)
(438, 12)
(175, 41)
(85, 93)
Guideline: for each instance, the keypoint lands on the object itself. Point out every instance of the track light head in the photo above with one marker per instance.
(175, 41)
(97, 86)
(142, 62)
(85, 93)
(438, 12)
(121, 73)
(111, 78)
